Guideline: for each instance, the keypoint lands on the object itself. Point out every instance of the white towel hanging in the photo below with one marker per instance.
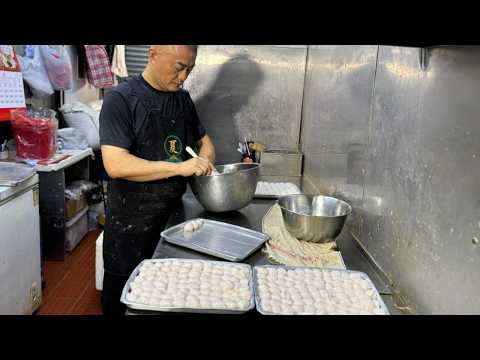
(119, 66)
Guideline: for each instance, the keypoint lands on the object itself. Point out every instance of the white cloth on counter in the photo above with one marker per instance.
(283, 248)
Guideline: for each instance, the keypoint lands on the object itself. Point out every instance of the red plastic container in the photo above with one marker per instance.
(35, 133)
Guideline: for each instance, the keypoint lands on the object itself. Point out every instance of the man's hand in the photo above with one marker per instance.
(196, 166)
(211, 167)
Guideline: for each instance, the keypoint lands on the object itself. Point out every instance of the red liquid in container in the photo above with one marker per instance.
(35, 134)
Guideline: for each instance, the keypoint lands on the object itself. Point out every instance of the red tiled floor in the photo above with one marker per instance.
(54, 274)
(74, 285)
(89, 303)
(70, 285)
(56, 306)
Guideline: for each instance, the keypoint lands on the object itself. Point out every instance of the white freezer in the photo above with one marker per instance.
(20, 257)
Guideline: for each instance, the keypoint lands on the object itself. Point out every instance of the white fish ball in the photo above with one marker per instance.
(132, 297)
(205, 304)
(176, 303)
(194, 225)
(276, 309)
(189, 227)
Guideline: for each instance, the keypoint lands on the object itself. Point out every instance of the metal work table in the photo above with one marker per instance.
(251, 217)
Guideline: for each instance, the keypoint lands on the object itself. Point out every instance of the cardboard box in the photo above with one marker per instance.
(74, 206)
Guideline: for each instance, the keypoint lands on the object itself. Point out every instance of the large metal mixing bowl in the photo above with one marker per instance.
(232, 189)
(314, 218)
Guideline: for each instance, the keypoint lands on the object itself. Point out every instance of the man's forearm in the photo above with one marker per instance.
(153, 177)
(206, 149)
(130, 167)
(207, 154)
(145, 178)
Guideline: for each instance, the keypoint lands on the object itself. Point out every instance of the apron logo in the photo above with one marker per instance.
(173, 148)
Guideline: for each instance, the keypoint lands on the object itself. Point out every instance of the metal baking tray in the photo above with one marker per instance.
(222, 240)
(274, 196)
(258, 303)
(138, 306)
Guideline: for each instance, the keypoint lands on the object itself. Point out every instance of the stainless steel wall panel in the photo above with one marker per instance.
(419, 167)
(432, 181)
(336, 112)
(252, 91)
(337, 97)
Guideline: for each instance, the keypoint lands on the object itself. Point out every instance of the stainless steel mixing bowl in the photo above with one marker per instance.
(232, 189)
(314, 218)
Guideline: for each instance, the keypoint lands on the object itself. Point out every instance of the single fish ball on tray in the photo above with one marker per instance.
(189, 227)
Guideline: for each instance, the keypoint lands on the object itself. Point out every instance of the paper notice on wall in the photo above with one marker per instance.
(12, 95)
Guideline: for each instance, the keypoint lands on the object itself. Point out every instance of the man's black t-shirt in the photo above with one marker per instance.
(123, 115)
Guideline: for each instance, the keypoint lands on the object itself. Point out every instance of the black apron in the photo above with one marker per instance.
(137, 212)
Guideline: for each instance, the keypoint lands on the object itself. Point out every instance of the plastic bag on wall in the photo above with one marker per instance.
(34, 72)
(59, 68)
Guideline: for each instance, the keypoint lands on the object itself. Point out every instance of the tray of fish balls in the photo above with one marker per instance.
(285, 290)
(192, 286)
(274, 190)
(219, 239)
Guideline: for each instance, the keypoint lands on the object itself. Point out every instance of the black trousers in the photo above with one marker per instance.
(136, 216)
(112, 290)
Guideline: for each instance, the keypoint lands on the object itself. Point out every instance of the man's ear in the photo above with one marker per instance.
(152, 54)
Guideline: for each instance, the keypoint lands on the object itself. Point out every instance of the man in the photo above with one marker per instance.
(146, 122)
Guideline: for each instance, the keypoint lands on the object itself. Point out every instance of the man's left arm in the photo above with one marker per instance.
(206, 148)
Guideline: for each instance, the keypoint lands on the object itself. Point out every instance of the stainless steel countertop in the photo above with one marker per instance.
(251, 217)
